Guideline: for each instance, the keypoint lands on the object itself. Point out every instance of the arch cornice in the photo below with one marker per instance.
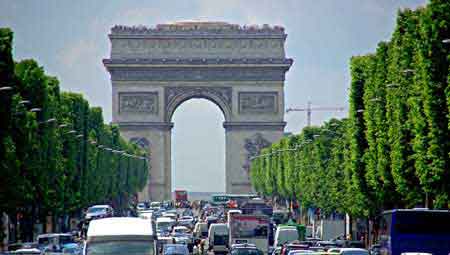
(174, 96)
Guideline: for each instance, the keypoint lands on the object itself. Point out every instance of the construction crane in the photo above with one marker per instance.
(310, 109)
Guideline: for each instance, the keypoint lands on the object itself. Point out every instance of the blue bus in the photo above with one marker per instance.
(414, 230)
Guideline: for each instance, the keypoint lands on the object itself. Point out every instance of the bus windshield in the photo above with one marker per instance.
(120, 248)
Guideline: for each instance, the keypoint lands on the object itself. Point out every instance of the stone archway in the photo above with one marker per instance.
(240, 69)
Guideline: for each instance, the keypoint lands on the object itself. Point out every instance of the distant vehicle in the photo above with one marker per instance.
(349, 251)
(99, 211)
(175, 249)
(222, 199)
(164, 225)
(218, 238)
(155, 205)
(232, 212)
(173, 216)
(294, 247)
(251, 229)
(55, 241)
(300, 229)
(181, 197)
(187, 221)
(415, 230)
(183, 235)
(118, 236)
(256, 206)
(141, 206)
(285, 234)
(201, 230)
(280, 216)
(245, 249)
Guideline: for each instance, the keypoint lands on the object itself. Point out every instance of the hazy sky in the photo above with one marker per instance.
(69, 38)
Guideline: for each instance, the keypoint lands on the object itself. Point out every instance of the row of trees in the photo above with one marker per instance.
(394, 149)
(56, 154)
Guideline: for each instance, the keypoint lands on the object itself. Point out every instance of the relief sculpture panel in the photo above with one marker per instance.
(138, 102)
(258, 102)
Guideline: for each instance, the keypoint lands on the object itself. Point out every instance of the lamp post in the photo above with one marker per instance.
(6, 88)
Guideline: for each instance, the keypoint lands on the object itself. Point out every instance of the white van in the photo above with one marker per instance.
(201, 230)
(285, 234)
(218, 238)
(119, 236)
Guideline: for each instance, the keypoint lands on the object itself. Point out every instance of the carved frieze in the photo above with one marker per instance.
(258, 102)
(253, 146)
(198, 74)
(138, 102)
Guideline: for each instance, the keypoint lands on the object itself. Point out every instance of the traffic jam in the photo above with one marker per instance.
(243, 224)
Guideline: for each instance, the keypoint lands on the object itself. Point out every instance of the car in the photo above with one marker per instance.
(141, 207)
(187, 221)
(120, 235)
(164, 225)
(201, 230)
(302, 252)
(72, 248)
(183, 235)
(349, 251)
(99, 211)
(175, 249)
(245, 249)
(293, 247)
(54, 241)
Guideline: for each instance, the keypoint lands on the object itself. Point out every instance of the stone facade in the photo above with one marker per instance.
(240, 69)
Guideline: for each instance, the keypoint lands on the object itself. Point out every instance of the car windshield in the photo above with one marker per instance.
(164, 226)
(120, 248)
(176, 250)
(243, 251)
(96, 209)
(181, 230)
(220, 239)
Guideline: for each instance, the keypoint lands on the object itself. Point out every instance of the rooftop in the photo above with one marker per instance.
(120, 226)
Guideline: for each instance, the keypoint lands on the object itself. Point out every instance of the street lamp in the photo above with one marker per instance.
(51, 120)
(62, 125)
(24, 102)
(375, 99)
(408, 71)
(35, 109)
(79, 136)
(360, 110)
(5, 88)
(446, 41)
(71, 132)
(392, 85)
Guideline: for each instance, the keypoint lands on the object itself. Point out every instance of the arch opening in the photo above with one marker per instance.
(198, 145)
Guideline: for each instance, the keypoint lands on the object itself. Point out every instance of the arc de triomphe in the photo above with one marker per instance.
(240, 69)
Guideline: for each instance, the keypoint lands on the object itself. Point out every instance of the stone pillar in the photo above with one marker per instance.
(242, 141)
(157, 135)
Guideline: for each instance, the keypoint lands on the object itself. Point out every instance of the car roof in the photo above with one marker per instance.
(100, 206)
(53, 235)
(120, 226)
(164, 219)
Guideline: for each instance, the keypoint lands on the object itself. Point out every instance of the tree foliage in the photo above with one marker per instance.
(393, 151)
(54, 148)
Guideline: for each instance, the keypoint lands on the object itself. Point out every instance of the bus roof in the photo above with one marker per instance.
(120, 226)
(416, 210)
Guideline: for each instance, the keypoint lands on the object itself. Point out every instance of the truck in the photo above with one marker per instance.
(181, 198)
(250, 229)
